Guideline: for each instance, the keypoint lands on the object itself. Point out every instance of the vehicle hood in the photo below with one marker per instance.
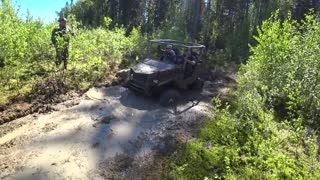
(149, 66)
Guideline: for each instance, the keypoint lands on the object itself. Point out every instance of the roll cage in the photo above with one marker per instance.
(176, 44)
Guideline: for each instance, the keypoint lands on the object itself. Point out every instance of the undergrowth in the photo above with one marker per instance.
(270, 131)
(27, 56)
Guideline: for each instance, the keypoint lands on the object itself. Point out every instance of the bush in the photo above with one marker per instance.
(248, 144)
(265, 134)
(27, 56)
(285, 67)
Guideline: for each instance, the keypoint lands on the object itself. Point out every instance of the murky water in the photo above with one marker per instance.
(71, 143)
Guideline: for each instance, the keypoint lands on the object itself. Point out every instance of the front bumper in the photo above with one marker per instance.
(139, 83)
(137, 86)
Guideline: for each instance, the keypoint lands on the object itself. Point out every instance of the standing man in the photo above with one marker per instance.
(60, 39)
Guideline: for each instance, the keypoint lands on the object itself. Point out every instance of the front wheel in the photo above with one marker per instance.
(170, 97)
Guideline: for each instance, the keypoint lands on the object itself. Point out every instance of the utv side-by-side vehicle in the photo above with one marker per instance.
(153, 76)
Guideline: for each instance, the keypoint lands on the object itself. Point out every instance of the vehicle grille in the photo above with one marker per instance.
(136, 86)
(140, 77)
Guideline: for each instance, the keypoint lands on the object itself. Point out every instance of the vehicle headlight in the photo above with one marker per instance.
(155, 81)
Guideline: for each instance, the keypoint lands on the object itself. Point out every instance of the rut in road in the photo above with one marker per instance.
(113, 127)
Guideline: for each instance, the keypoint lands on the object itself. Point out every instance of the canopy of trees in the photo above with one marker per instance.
(219, 24)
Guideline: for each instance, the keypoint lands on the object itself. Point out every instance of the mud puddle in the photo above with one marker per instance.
(109, 133)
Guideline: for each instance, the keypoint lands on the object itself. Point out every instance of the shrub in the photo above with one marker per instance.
(266, 132)
(284, 67)
(27, 56)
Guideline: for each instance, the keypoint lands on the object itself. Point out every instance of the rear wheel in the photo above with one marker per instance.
(170, 97)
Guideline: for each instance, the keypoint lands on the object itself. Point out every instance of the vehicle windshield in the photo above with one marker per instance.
(157, 49)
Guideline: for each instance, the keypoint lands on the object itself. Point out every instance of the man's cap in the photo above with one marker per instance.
(169, 46)
(62, 19)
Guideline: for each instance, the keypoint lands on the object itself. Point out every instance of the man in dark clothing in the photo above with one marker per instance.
(60, 39)
(168, 54)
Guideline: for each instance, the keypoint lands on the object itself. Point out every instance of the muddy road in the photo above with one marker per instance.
(106, 133)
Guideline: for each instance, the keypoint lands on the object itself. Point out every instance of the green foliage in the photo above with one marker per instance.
(265, 133)
(95, 52)
(24, 46)
(175, 28)
(248, 144)
(27, 55)
(226, 27)
(285, 67)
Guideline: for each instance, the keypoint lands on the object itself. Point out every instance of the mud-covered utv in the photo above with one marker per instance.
(153, 76)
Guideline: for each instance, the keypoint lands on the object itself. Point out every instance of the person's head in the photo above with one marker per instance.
(168, 47)
(63, 22)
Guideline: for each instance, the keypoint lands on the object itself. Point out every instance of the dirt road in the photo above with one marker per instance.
(107, 133)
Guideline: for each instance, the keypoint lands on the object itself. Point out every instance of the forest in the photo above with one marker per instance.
(270, 127)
